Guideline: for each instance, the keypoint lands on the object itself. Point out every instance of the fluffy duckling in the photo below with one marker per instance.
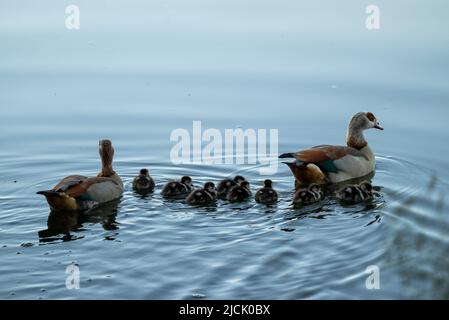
(355, 193)
(207, 194)
(225, 185)
(178, 189)
(143, 182)
(239, 193)
(266, 194)
(309, 195)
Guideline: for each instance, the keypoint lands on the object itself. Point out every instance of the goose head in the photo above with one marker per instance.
(360, 122)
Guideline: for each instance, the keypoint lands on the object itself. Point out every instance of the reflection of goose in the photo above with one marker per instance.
(333, 164)
(59, 223)
(64, 222)
(78, 192)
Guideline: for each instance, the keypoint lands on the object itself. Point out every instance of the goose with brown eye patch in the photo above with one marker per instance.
(206, 195)
(239, 193)
(178, 189)
(225, 185)
(267, 194)
(334, 164)
(143, 182)
(375, 124)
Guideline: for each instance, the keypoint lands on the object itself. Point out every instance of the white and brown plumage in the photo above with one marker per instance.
(266, 194)
(206, 195)
(143, 182)
(333, 164)
(78, 192)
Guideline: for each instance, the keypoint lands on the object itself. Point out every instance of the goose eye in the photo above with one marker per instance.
(370, 116)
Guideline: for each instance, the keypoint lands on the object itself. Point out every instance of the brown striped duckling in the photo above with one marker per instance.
(78, 192)
(240, 192)
(355, 192)
(309, 195)
(206, 195)
(178, 189)
(225, 185)
(266, 194)
(143, 182)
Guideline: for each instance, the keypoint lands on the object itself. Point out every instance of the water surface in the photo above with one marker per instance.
(136, 70)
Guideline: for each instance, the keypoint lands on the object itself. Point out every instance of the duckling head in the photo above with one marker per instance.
(186, 180)
(245, 184)
(268, 183)
(366, 187)
(144, 172)
(239, 179)
(303, 196)
(210, 187)
(348, 194)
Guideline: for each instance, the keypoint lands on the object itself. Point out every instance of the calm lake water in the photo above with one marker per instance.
(136, 70)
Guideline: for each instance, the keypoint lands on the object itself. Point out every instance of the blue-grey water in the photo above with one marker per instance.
(136, 70)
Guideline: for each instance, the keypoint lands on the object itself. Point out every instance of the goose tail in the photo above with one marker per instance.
(59, 200)
(287, 155)
(306, 173)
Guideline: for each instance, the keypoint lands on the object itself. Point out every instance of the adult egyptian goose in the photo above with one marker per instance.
(79, 192)
(333, 164)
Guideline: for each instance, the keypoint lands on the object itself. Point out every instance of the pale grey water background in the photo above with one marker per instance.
(136, 70)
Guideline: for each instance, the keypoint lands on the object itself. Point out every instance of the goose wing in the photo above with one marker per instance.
(324, 156)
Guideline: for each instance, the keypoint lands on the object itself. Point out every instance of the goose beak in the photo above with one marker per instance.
(377, 126)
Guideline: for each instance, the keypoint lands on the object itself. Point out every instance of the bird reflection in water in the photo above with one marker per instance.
(65, 225)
